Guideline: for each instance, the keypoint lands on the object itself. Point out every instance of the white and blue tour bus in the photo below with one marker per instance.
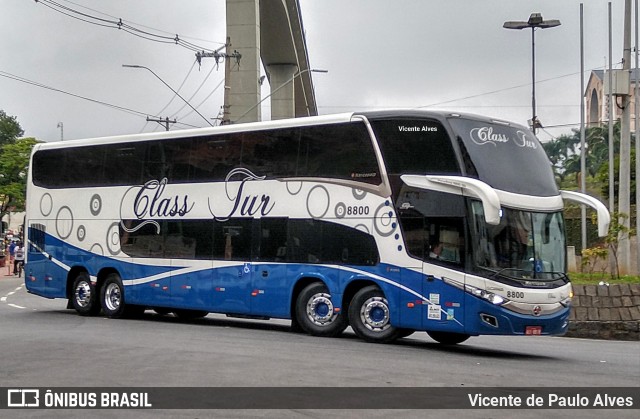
(390, 222)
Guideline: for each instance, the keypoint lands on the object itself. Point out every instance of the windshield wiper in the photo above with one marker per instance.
(525, 277)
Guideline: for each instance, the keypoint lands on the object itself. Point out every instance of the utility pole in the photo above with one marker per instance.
(226, 120)
(164, 122)
(217, 55)
(624, 204)
(637, 127)
(583, 148)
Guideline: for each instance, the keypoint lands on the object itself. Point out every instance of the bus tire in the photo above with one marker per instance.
(315, 313)
(448, 338)
(112, 298)
(369, 316)
(184, 314)
(84, 296)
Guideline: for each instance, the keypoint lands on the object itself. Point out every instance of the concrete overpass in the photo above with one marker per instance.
(271, 32)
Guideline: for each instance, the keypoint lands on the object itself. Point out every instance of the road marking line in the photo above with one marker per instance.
(3, 299)
(16, 306)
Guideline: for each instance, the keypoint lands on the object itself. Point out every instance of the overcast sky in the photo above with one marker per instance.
(439, 54)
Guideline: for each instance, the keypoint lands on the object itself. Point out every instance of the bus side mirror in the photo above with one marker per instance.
(604, 218)
(463, 186)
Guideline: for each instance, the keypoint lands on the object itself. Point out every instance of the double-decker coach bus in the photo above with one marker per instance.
(390, 222)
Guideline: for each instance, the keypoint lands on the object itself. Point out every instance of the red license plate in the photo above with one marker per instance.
(533, 330)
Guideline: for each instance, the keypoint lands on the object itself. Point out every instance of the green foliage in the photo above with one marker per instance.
(596, 278)
(594, 256)
(9, 129)
(14, 162)
(603, 177)
(564, 151)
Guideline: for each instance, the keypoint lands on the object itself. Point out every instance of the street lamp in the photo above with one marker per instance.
(299, 73)
(165, 83)
(535, 21)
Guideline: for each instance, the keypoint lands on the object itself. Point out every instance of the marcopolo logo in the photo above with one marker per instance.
(23, 398)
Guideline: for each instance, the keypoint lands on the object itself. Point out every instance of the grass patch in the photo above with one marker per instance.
(594, 279)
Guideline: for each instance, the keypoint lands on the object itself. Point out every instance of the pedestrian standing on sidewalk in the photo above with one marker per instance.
(19, 258)
(12, 252)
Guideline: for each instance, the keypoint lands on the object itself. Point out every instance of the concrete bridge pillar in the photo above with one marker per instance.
(243, 30)
(282, 80)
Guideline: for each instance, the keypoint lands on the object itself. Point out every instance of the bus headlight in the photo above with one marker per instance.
(485, 295)
(494, 299)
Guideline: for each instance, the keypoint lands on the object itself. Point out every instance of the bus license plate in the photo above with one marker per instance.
(533, 330)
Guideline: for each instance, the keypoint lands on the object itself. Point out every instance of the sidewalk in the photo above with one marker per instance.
(5, 274)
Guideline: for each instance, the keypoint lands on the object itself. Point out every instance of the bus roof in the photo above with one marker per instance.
(258, 126)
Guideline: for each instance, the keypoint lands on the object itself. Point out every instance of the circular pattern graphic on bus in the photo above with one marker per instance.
(359, 194)
(341, 210)
(383, 220)
(292, 186)
(113, 239)
(46, 204)
(82, 233)
(97, 249)
(318, 201)
(64, 222)
(95, 205)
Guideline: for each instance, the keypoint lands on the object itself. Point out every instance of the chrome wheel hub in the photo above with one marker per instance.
(320, 309)
(374, 314)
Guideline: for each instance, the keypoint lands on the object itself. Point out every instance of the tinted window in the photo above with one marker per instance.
(432, 224)
(338, 151)
(415, 146)
(314, 241)
(232, 239)
(506, 157)
(272, 240)
(243, 239)
(186, 239)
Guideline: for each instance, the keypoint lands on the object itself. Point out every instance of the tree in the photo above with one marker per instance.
(14, 163)
(564, 151)
(9, 129)
(603, 177)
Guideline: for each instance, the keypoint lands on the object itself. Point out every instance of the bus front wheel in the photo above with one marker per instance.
(84, 296)
(315, 312)
(369, 316)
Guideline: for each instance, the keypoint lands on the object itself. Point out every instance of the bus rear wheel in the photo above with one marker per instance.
(112, 299)
(315, 312)
(369, 316)
(84, 296)
(448, 338)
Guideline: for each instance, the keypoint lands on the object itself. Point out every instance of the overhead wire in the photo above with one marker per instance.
(141, 25)
(120, 24)
(96, 101)
(188, 101)
(174, 96)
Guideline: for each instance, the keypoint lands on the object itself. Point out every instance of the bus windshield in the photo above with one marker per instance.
(525, 245)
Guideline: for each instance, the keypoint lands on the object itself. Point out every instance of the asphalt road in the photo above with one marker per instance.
(45, 345)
